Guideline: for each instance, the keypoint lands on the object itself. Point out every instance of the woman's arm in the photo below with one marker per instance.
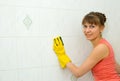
(99, 52)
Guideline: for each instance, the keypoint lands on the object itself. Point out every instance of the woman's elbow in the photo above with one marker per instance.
(77, 74)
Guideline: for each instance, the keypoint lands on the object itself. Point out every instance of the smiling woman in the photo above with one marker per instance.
(93, 24)
(101, 60)
(92, 31)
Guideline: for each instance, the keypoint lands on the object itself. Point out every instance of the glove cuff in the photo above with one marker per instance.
(64, 59)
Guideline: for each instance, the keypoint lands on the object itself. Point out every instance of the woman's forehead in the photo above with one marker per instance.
(89, 23)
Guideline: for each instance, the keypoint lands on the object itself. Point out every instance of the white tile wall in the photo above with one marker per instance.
(8, 53)
(7, 20)
(26, 53)
(30, 74)
(8, 75)
(29, 52)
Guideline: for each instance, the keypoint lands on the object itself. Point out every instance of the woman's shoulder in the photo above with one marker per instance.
(102, 50)
(101, 46)
(105, 43)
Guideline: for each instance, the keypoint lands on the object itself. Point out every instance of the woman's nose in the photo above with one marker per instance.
(87, 29)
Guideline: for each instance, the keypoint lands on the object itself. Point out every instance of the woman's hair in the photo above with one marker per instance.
(96, 18)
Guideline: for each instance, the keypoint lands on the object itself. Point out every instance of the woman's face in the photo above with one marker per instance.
(92, 31)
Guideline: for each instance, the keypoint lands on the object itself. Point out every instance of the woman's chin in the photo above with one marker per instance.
(89, 39)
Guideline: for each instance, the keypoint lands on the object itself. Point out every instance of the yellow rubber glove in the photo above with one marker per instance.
(58, 48)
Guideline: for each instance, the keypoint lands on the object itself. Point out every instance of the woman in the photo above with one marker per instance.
(101, 60)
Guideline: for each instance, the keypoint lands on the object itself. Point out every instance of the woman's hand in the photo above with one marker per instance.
(59, 50)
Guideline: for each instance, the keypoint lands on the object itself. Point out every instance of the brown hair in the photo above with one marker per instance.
(96, 18)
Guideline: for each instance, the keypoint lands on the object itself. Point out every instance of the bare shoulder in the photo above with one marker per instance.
(101, 47)
(101, 50)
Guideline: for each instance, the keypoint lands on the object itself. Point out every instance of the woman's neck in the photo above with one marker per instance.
(96, 41)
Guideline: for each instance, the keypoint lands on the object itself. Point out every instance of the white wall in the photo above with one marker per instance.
(26, 50)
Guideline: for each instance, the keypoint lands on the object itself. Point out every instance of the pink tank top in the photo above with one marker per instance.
(105, 69)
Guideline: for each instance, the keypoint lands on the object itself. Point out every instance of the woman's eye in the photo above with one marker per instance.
(92, 26)
(84, 26)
